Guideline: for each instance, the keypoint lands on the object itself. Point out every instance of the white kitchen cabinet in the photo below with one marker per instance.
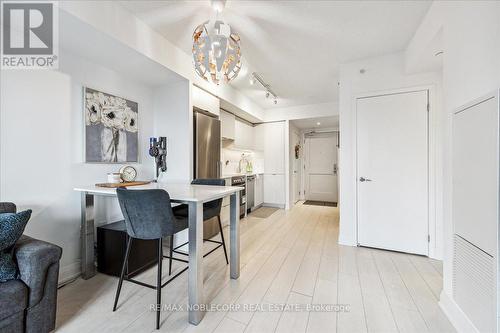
(259, 190)
(259, 137)
(224, 213)
(205, 101)
(227, 125)
(274, 148)
(243, 135)
(270, 138)
(274, 189)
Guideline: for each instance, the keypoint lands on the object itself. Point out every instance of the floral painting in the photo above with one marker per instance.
(111, 128)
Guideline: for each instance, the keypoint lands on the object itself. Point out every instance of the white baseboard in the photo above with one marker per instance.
(346, 242)
(273, 205)
(69, 272)
(456, 316)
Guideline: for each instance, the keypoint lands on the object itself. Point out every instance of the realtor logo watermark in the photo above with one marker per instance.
(29, 35)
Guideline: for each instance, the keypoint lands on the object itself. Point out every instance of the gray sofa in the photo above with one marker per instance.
(29, 303)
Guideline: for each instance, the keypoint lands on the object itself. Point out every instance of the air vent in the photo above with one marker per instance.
(474, 284)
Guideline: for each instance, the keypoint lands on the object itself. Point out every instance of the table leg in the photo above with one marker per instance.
(234, 234)
(195, 275)
(87, 235)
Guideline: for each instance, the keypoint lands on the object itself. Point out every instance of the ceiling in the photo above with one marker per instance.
(81, 39)
(296, 46)
(312, 123)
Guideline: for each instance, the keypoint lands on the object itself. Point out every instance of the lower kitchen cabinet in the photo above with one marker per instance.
(224, 212)
(259, 190)
(274, 189)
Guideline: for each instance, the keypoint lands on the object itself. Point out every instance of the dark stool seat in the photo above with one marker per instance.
(208, 212)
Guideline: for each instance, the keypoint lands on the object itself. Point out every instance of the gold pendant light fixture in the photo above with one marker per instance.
(216, 49)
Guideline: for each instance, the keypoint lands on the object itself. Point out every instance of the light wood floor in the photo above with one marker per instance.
(292, 257)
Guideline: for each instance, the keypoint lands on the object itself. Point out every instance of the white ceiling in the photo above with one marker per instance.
(312, 123)
(296, 46)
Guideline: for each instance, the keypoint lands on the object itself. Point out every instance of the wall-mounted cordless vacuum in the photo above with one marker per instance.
(158, 150)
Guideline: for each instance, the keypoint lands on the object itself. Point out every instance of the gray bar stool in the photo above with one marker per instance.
(149, 216)
(210, 210)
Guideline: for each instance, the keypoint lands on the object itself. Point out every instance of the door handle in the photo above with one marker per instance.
(334, 168)
(363, 179)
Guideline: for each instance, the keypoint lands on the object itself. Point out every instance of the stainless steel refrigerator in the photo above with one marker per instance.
(207, 150)
(207, 146)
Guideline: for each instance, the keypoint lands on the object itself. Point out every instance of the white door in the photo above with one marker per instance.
(392, 175)
(321, 167)
(295, 167)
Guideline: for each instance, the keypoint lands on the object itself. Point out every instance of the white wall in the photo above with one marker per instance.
(173, 118)
(471, 68)
(382, 74)
(291, 153)
(41, 147)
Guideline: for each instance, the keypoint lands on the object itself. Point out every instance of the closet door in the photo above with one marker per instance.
(392, 172)
(475, 211)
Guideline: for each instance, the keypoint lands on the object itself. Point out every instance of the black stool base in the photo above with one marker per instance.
(159, 284)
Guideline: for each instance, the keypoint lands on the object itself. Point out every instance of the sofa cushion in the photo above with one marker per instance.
(11, 228)
(14, 298)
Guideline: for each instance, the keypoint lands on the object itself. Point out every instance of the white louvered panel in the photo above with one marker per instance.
(474, 287)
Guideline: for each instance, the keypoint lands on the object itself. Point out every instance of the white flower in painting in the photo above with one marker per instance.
(117, 101)
(101, 98)
(130, 120)
(113, 117)
(92, 110)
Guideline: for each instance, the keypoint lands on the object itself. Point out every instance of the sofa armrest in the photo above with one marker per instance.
(34, 257)
(7, 207)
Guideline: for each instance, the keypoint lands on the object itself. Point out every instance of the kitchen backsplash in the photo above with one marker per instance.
(231, 160)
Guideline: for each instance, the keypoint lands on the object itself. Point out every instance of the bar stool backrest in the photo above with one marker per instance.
(148, 213)
(212, 208)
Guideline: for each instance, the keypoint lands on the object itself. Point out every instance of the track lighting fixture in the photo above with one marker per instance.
(269, 91)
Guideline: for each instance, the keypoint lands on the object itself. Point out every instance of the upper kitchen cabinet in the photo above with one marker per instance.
(259, 132)
(227, 125)
(205, 101)
(243, 135)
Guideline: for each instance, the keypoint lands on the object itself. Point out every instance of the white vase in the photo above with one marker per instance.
(113, 145)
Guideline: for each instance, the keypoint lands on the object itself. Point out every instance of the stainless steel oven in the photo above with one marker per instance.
(241, 181)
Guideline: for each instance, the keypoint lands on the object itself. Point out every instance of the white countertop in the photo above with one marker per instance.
(229, 175)
(177, 192)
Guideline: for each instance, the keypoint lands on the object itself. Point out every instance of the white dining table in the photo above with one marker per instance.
(192, 195)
